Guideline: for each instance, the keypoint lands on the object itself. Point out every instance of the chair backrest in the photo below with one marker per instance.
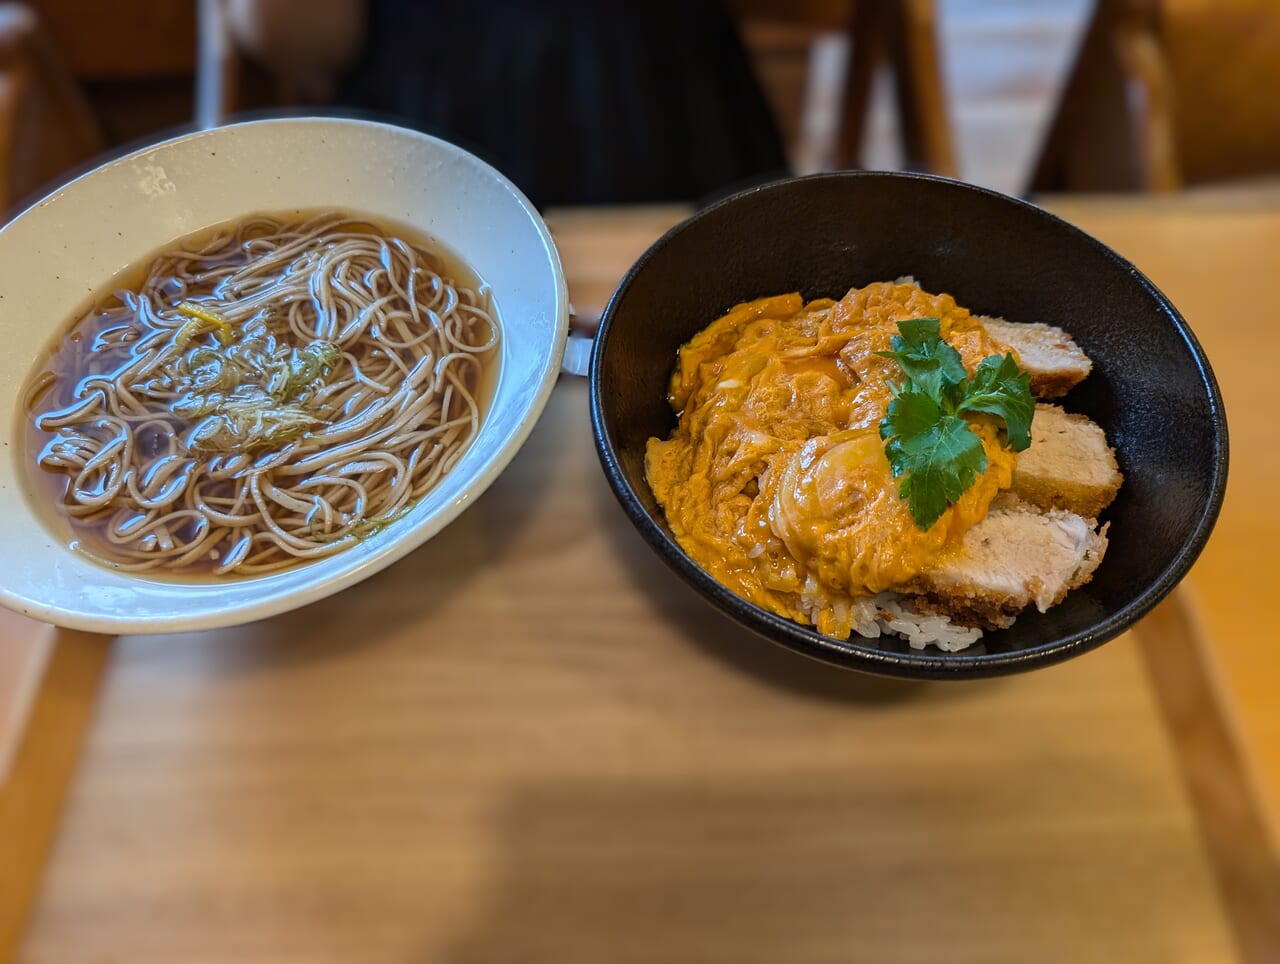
(1167, 93)
(902, 33)
(1223, 61)
(46, 126)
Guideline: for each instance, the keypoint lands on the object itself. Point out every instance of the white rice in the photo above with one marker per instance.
(894, 615)
(890, 614)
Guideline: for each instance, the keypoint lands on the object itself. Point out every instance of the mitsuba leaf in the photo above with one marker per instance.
(927, 361)
(910, 413)
(926, 438)
(940, 464)
(1000, 388)
(917, 333)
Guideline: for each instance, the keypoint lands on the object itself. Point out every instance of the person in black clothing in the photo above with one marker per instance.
(577, 101)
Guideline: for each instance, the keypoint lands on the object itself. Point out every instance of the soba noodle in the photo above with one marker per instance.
(269, 395)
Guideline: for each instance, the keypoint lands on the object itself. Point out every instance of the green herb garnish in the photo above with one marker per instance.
(926, 437)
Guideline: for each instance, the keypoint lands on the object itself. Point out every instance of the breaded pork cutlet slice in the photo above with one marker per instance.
(1055, 362)
(1068, 466)
(1016, 557)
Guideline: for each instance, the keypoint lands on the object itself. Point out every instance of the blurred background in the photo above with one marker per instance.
(603, 103)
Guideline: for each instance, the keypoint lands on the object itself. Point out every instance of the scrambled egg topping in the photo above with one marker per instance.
(775, 480)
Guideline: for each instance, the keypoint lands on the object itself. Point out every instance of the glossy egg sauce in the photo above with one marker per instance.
(775, 480)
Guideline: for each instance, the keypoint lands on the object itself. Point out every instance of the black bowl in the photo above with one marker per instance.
(1151, 387)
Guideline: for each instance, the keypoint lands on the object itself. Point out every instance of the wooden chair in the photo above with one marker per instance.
(46, 125)
(1168, 93)
(902, 32)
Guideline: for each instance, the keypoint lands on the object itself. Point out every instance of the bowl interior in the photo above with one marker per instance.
(1151, 388)
(70, 245)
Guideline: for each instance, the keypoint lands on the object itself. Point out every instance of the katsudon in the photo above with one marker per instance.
(887, 462)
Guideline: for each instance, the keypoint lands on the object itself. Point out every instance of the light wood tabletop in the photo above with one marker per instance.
(529, 741)
(1207, 252)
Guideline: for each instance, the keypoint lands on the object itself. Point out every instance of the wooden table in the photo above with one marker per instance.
(530, 742)
(1204, 251)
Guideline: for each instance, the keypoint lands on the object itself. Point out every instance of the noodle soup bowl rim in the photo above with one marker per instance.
(70, 244)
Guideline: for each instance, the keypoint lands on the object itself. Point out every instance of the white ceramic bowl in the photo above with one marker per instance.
(70, 245)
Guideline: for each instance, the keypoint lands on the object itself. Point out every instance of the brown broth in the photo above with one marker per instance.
(70, 359)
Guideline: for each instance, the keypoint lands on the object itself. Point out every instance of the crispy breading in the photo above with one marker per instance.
(1053, 359)
(1069, 464)
(1016, 557)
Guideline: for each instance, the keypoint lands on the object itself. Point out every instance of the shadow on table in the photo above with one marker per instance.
(704, 626)
(832, 866)
(374, 612)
